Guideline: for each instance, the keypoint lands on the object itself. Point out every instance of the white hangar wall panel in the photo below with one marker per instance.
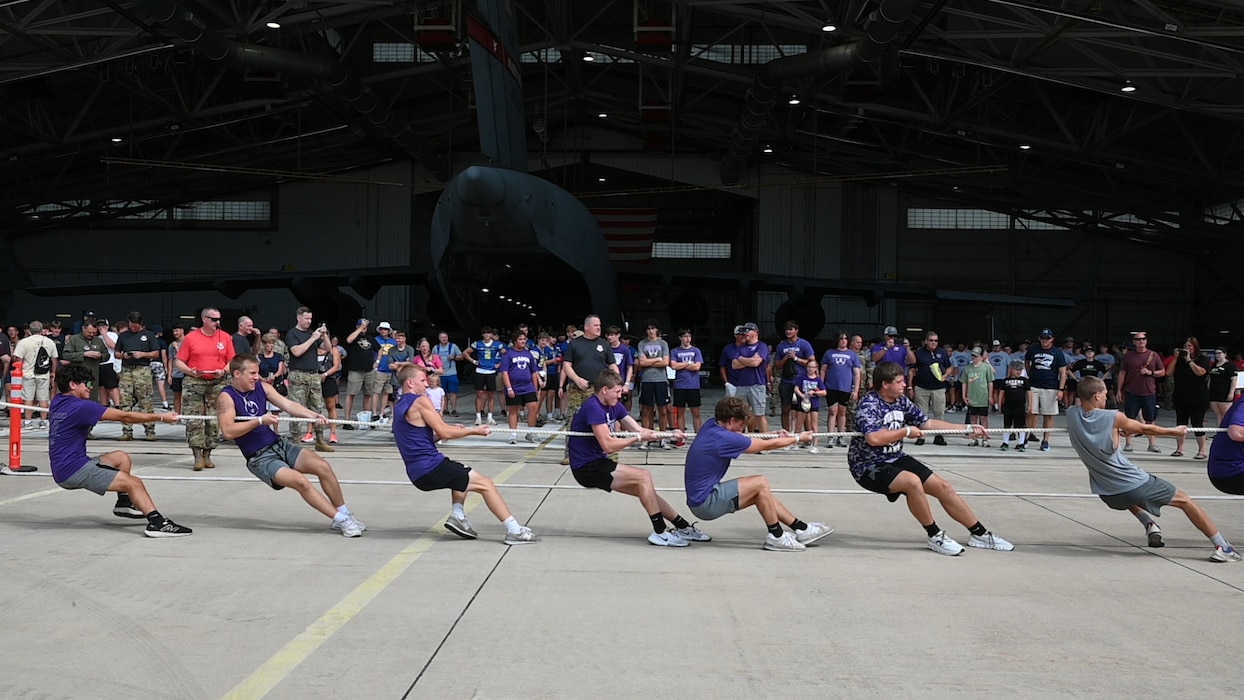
(319, 226)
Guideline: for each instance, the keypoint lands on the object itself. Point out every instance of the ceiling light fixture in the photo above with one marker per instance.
(600, 179)
(484, 290)
(829, 26)
(1128, 87)
(768, 149)
(602, 115)
(274, 25)
(589, 57)
(1024, 147)
(794, 99)
(116, 139)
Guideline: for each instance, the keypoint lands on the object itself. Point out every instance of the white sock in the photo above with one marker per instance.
(340, 517)
(511, 526)
(1220, 541)
(344, 510)
(458, 511)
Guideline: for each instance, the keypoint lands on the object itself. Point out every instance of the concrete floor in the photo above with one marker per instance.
(264, 599)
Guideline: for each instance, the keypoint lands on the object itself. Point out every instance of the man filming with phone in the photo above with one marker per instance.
(304, 375)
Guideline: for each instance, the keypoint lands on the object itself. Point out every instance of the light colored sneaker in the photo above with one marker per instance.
(362, 528)
(1223, 555)
(691, 533)
(1127, 448)
(491, 420)
(990, 541)
(1154, 533)
(785, 543)
(665, 444)
(523, 536)
(814, 450)
(460, 527)
(513, 438)
(531, 437)
(351, 528)
(943, 544)
(814, 532)
(478, 420)
(667, 539)
(1155, 448)
(642, 446)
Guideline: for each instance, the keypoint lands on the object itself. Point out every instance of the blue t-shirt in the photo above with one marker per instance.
(1043, 373)
(416, 444)
(447, 353)
(686, 378)
(801, 349)
(550, 352)
(838, 368)
(960, 359)
(252, 403)
(488, 356)
(522, 366)
(872, 414)
(1226, 456)
(586, 449)
(71, 419)
(384, 346)
(709, 457)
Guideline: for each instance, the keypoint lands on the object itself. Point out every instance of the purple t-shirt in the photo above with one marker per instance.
(586, 449)
(521, 365)
(873, 414)
(71, 419)
(801, 349)
(709, 457)
(838, 367)
(897, 354)
(748, 376)
(685, 378)
(252, 403)
(416, 444)
(1226, 456)
(623, 358)
(807, 385)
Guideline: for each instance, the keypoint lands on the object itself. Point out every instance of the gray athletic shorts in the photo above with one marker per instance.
(1151, 496)
(724, 500)
(270, 460)
(756, 397)
(94, 476)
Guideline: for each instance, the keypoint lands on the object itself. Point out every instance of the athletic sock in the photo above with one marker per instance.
(155, 518)
(478, 415)
(123, 499)
(658, 523)
(341, 518)
(343, 510)
(1145, 518)
(458, 511)
(511, 526)
(932, 529)
(798, 525)
(1220, 541)
(775, 529)
(679, 522)
(978, 529)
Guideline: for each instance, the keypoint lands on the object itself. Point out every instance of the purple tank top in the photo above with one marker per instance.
(252, 403)
(416, 444)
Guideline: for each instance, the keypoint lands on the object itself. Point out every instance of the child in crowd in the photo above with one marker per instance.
(805, 410)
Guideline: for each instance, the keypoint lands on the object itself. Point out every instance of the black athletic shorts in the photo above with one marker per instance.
(654, 393)
(108, 376)
(833, 396)
(686, 398)
(177, 384)
(786, 394)
(879, 480)
(485, 382)
(447, 475)
(596, 475)
(329, 388)
(521, 399)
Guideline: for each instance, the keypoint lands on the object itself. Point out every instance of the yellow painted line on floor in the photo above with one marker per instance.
(282, 663)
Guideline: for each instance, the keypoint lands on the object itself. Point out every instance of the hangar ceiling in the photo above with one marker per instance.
(1012, 105)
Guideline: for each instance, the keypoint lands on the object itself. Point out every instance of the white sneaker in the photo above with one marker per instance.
(478, 420)
(990, 541)
(513, 438)
(1226, 555)
(28, 425)
(691, 533)
(359, 523)
(641, 446)
(348, 527)
(531, 437)
(785, 543)
(667, 539)
(491, 420)
(814, 532)
(943, 544)
(665, 444)
(814, 450)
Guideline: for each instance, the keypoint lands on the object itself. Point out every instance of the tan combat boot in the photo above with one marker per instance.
(207, 459)
(322, 446)
(198, 458)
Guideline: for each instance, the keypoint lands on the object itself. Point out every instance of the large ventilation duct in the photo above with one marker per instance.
(864, 54)
(174, 16)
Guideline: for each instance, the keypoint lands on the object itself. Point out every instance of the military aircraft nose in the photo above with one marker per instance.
(481, 187)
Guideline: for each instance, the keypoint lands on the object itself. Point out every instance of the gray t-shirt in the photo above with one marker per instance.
(653, 348)
(590, 357)
(1092, 435)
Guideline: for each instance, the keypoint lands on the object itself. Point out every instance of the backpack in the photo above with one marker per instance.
(43, 361)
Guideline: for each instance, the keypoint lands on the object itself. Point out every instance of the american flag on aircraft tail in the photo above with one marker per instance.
(628, 233)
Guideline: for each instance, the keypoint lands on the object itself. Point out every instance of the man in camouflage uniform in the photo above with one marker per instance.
(304, 375)
(204, 358)
(137, 347)
(866, 381)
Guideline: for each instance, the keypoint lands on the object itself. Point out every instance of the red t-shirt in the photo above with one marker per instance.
(206, 353)
(1136, 383)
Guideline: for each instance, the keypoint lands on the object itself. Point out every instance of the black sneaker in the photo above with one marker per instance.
(454, 414)
(939, 440)
(347, 426)
(168, 529)
(126, 510)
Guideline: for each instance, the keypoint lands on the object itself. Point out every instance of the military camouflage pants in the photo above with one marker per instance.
(198, 398)
(305, 389)
(136, 391)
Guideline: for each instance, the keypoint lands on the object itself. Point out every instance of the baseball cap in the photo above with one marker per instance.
(740, 330)
(1046, 333)
(997, 343)
(577, 334)
(89, 314)
(977, 352)
(1017, 364)
(890, 330)
(385, 324)
(102, 322)
(749, 326)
